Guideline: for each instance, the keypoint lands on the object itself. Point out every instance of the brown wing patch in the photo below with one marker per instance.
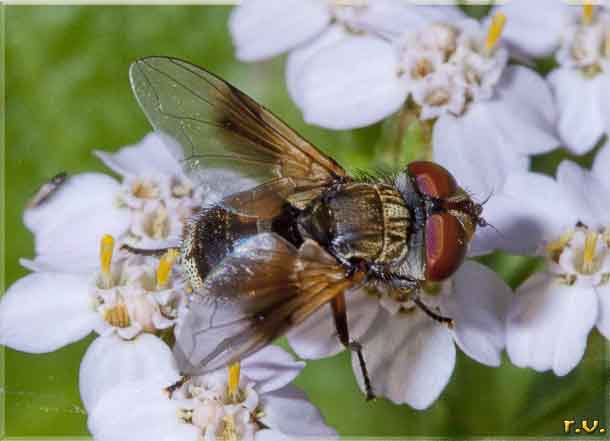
(221, 127)
(253, 297)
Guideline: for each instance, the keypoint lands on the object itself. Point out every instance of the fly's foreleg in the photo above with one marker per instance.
(340, 316)
(148, 252)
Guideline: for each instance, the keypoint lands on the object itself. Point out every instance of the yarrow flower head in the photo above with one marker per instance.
(579, 38)
(445, 68)
(261, 29)
(411, 356)
(146, 209)
(565, 220)
(450, 65)
(254, 400)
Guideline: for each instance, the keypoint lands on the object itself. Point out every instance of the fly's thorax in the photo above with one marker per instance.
(360, 221)
(397, 224)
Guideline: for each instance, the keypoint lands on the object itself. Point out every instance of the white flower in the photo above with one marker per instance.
(566, 220)
(580, 39)
(264, 28)
(44, 311)
(410, 356)
(484, 112)
(147, 209)
(258, 403)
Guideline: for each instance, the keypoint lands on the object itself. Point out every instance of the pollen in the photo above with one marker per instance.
(588, 13)
(106, 249)
(588, 256)
(233, 383)
(117, 316)
(495, 32)
(607, 45)
(164, 270)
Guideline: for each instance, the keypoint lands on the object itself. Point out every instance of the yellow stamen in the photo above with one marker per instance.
(106, 249)
(233, 383)
(164, 270)
(495, 32)
(589, 252)
(587, 13)
(117, 316)
(555, 248)
(607, 48)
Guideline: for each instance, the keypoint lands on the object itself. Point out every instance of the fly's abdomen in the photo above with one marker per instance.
(209, 237)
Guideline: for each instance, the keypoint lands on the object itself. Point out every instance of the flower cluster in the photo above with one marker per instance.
(348, 66)
(134, 302)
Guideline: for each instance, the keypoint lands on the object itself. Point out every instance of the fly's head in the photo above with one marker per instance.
(450, 218)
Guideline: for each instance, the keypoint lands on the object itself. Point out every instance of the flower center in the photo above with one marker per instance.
(131, 295)
(586, 42)
(145, 189)
(583, 254)
(448, 66)
(219, 407)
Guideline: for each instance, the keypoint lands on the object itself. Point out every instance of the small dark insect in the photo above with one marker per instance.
(46, 190)
(263, 260)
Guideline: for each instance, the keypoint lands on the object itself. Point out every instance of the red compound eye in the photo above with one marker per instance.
(445, 246)
(432, 179)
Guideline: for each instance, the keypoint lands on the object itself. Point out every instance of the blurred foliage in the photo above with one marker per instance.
(68, 93)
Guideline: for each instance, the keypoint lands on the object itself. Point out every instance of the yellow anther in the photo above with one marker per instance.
(588, 255)
(117, 316)
(106, 249)
(607, 47)
(588, 12)
(233, 383)
(555, 248)
(164, 270)
(495, 31)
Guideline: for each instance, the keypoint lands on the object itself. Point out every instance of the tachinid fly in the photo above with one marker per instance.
(301, 233)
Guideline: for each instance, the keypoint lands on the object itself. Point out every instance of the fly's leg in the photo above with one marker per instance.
(177, 385)
(340, 316)
(433, 315)
(148, 252)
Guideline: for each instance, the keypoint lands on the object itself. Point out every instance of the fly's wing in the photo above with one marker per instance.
(254, 296)
(218, 126)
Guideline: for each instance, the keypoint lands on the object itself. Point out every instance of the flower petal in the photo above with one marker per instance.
(580, 119)
(530, 209)
(603, 322)
(42, 312)
(111, 361)
(299, 58)
(138, 411)
(532, 28)
(264, 28)
(524, 112)
(470, 149)
(288, 411)
(317, 336)
(153, 155)
(543, 332)
(351, 84)
(587, 196)
(271, 368)
(410, 358)
(601, 165)
(478, 303)
(69, 226)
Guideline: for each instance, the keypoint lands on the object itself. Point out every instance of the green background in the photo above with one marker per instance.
(67, 93)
